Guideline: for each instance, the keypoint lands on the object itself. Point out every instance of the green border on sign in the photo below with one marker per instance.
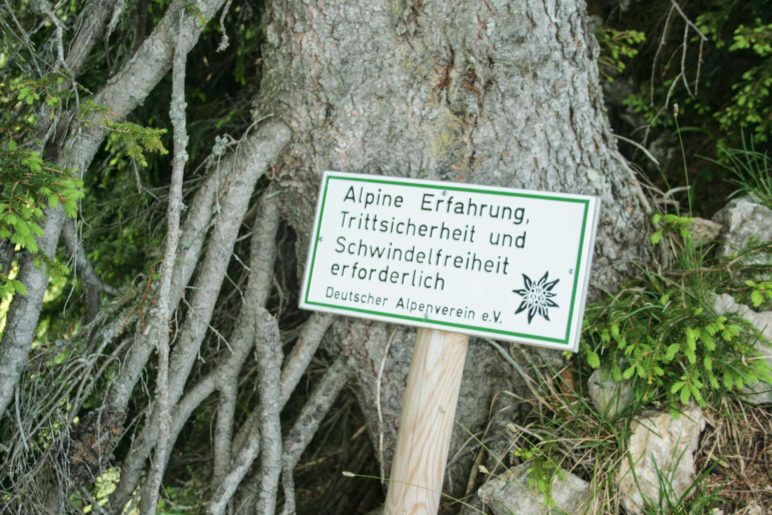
(504, 193)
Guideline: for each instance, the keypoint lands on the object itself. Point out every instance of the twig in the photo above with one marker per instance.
(117, 11)
(672, 191)
(527, 379)
(17, 407)
(225, 41)
(24, 37)
(180, 137)
(699, 68)
(45, 8)
(94, 285)
(88, 33)
(661, 45)
(683, 60)
(688, 21)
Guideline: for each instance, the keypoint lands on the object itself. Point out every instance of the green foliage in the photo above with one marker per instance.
(104, 485)
(133, 141)
(24, 98)
(751, 106)
(743, 46)
(28, 186)
(542, 471)
(663, 335)
(759, 292)
(669, 223)
(617, 47)
(720, 84)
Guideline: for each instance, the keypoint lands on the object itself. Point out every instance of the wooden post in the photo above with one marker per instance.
(426, 424)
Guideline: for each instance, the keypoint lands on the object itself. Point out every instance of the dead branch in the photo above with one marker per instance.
(269, 357)
(239, 470)
(93, 284)
(247, 441)
(160, 325)
(220, 247)
(223, 431)
(295, 366)
(262, 257)
(308, 422)
(248, 164)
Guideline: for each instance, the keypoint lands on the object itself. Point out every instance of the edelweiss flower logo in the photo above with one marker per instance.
(537, 296)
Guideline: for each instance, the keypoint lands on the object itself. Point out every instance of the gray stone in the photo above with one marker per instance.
(608, 396)
(744, 222)
(753, 509)
(511, 494)
(759, 393)
(661, 448)
(705, 231)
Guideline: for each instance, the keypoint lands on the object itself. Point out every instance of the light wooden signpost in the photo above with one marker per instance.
(453, 260)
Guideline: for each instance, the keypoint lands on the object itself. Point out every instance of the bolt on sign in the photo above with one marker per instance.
(495, 262)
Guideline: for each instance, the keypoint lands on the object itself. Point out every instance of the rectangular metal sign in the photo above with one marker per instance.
(494, 262)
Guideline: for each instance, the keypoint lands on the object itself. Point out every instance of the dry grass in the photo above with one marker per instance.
(736, 449)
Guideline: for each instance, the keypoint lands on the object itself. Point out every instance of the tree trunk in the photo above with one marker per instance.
(492, 92)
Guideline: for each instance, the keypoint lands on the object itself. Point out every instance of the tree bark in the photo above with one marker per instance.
(492, 92)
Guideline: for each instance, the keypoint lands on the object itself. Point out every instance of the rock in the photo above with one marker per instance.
(661, 447)
(753, 509)
(510, 493)
(759, 393)
(762, 321)
(744, 222)
(608, 396)
(704, 231)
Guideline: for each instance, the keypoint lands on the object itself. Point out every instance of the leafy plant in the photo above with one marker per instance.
(28, 186)
(617, 47)
(760, 292)
(542, 471)
(664, 336)
(133, 141)
(750, 105)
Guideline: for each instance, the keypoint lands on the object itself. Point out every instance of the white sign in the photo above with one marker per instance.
(494, 262)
